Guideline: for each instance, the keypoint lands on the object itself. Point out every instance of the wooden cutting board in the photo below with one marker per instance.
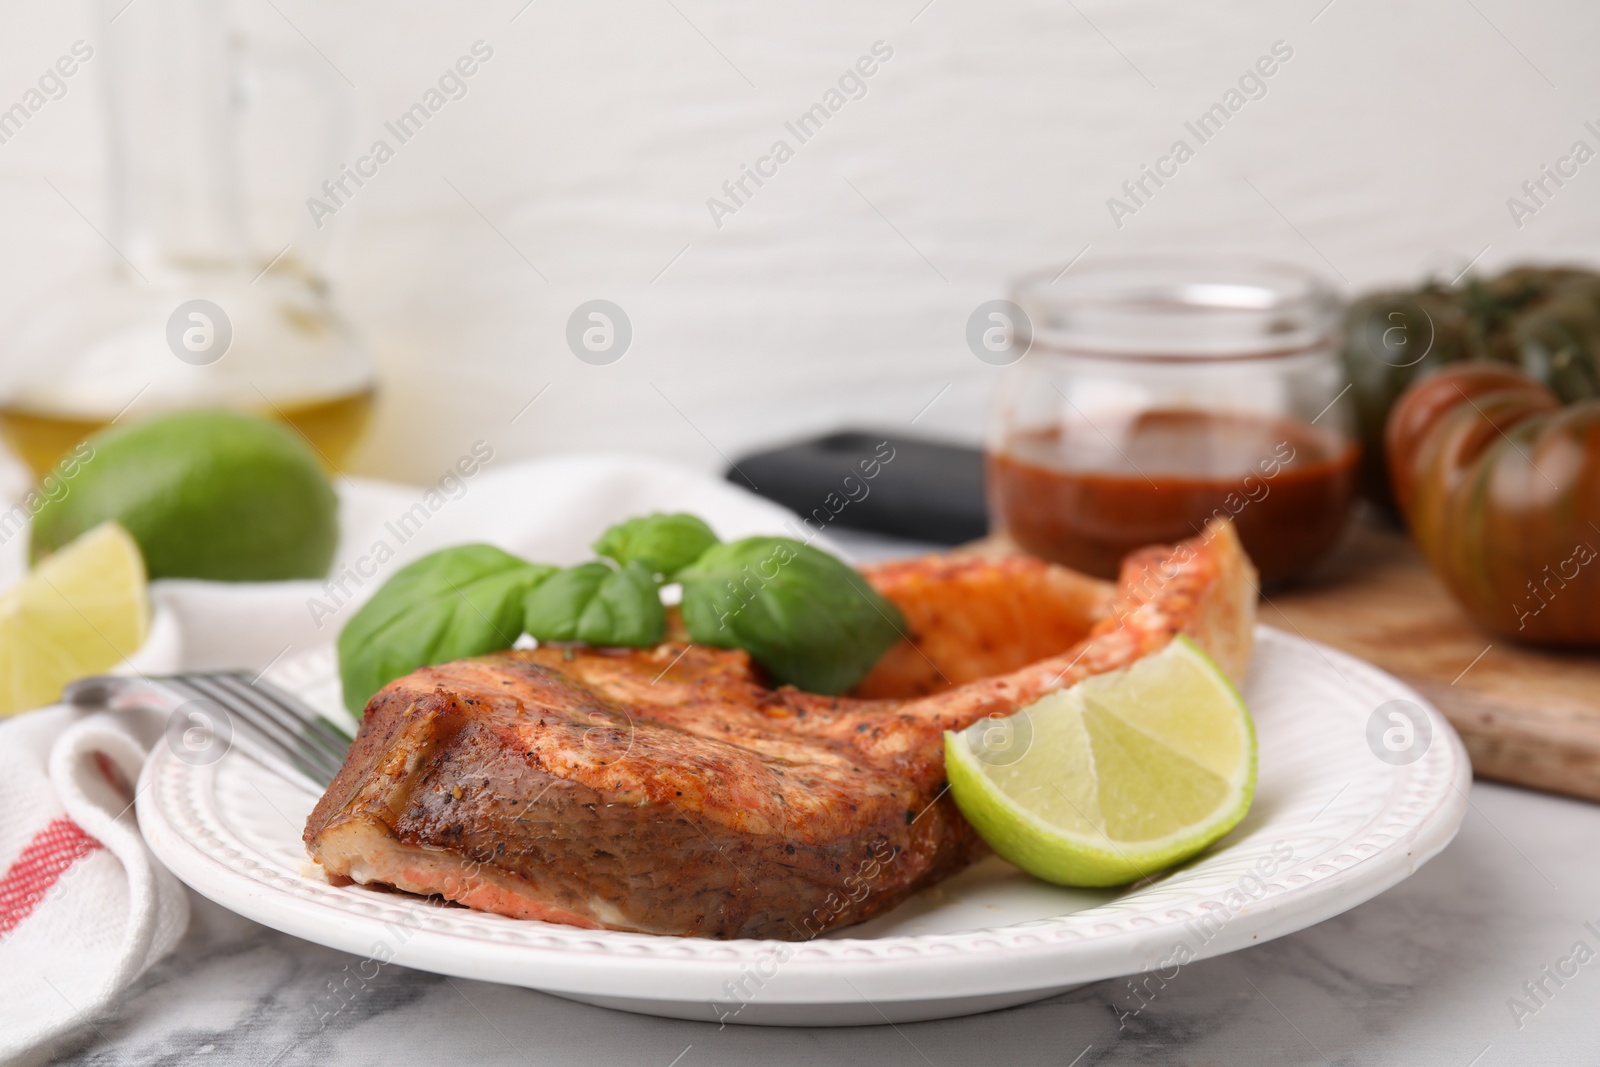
(1528, 717)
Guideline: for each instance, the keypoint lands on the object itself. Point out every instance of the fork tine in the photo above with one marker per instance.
(285, 744)
(252, 740)
(327, 759)
(291, 712)
(204, 688)
(325, 730)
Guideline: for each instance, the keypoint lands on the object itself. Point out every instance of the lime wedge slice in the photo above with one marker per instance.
(1115, 778)
(82, 611)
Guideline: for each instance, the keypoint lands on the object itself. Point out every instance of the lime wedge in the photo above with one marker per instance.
(1115, 778)
(82, 611)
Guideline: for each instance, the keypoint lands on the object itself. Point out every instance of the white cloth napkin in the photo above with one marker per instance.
(84, 907)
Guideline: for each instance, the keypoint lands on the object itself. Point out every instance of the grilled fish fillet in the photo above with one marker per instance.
(672, 791)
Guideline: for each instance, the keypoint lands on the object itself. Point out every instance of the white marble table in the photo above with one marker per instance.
(1420, 976)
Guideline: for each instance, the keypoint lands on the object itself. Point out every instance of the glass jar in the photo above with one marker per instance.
(1156, 394)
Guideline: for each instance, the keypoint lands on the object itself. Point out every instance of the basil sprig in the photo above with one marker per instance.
(809, 619)
(597, 605)
(457, 602)
(665, 544)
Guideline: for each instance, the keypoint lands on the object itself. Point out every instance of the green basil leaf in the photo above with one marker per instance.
(597, 605)
(809, 619)
(663, 543)
(457, 602)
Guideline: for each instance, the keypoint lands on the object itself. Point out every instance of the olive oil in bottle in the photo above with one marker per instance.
(331, 426)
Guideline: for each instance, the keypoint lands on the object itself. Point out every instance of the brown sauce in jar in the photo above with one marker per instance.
(1089, 495)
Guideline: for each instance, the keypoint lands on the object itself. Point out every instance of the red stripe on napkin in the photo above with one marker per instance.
(52, 850)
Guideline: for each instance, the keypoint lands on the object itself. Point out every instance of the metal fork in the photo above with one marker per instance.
(211, 712)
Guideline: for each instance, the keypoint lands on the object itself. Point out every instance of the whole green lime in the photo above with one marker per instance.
(206, 494)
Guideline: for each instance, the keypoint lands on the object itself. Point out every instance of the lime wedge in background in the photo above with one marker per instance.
(82, 611)
(1115, 778)
(206, 494)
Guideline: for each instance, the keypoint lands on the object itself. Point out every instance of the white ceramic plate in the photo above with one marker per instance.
(1332, 826)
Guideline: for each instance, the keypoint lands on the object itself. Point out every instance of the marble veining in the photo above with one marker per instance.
(1420, 976)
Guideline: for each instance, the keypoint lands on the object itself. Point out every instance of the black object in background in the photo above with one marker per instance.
(922, 490)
